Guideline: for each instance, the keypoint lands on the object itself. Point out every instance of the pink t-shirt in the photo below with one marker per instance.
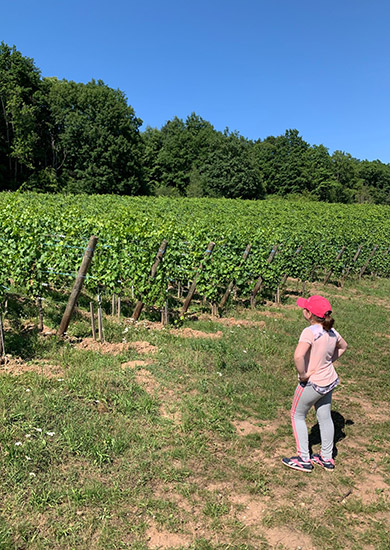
(323, 344)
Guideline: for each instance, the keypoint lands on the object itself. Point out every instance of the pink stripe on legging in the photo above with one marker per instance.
(297, 395)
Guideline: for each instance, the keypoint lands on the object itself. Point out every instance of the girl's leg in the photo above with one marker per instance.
(304, 398)
(323, 410)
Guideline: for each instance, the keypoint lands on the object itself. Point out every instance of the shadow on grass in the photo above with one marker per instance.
(339, 434)
(28, 344)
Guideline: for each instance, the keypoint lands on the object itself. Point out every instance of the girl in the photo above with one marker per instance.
(318, 347)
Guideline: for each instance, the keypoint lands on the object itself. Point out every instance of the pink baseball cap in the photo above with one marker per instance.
(318, 305)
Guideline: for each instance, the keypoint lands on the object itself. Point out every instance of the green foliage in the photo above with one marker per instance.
(176, 152)
(63, 136)
(43, 239)
(59, 135)
(98, 149)
(19, 116)
(231, 171)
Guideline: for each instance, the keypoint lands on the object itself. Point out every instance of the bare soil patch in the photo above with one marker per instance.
(252, 509)
(231, 321)
(293, 540)
(192, 333)
(143, 347)
(103, 347)
(16, 367)
(159, 538)
(246, 427)
(116, 348)
(368, 410)
(372, 488)
(146, 379)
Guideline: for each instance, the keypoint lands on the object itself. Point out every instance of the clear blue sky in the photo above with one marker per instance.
(256, 66)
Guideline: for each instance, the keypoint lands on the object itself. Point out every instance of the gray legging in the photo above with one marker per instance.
(304, 398)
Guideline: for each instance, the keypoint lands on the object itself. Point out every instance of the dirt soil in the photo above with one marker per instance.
(253, 511)
(246, 427)
(15, 366)
(231, 322)
(191, 333)
(159, 538)
(116, 348)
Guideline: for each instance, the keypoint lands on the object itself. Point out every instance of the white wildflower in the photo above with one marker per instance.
(38, 429)
(60, 379)
(219, 373)
(27, 457)
(27, 436)
(244, 351)
(31, 474)
(50, 433)
(18, 444)
(28, 390)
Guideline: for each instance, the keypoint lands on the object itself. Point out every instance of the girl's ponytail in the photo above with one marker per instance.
(326, 321)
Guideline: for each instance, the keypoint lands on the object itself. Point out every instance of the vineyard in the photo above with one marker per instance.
(43, 239)
(172, 438)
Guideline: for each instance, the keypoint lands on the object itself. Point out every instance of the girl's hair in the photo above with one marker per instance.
(327, 321)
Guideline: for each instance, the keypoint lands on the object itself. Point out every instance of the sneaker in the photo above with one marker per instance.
(327, 464)
(297, 463)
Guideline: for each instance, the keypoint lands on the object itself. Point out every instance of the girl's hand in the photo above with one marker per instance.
(303, 378)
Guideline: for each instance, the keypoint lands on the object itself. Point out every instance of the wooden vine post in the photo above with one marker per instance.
(40, 314)
(100, 319)
(78, 285)
(192, 289)
(259, 282)
(165, 311)
(354, 259)
(363, 269)
(153, 271)
(91, 309)
(327, 277)
(2, 348)
(231, 284)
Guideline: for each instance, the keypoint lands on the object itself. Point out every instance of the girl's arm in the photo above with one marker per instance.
(340, 349)
(299, 359)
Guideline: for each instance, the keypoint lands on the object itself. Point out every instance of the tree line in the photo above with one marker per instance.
(62, 136)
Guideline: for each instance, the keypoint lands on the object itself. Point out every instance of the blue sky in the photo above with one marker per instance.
(258, 67)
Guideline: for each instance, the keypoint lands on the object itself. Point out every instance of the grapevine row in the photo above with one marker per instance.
(43, 237)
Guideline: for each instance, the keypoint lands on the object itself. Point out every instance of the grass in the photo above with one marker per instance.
(183, 450)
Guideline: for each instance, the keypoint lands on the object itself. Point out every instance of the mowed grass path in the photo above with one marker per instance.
(178, 444)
